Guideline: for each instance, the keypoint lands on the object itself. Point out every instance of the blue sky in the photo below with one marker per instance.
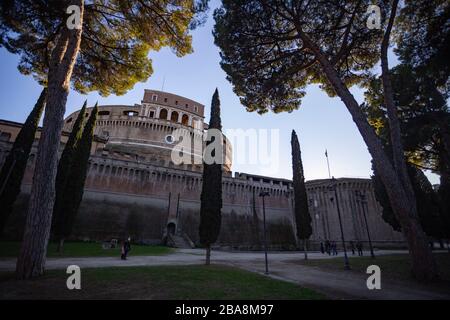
(321, 122)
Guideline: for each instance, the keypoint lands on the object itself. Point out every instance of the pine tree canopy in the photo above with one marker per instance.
(264, 54)
(116, 39)
(423, 113)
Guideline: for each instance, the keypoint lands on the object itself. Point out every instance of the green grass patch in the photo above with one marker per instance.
(9, 249)
(396, 266)
(165, 282)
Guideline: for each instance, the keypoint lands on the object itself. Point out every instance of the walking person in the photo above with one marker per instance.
(335, 252)
(322, 249)
(328, 247)
(352, 246)
(359, 246)
(126, 247)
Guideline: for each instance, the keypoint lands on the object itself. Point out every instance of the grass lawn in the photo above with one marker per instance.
(84, 249)
(168, 282)
(396, 266)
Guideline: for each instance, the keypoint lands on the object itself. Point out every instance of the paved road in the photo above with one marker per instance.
(335, 284)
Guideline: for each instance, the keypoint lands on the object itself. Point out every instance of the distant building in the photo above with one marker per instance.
(133, 187)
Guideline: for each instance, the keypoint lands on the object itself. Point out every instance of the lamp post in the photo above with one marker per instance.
(264, 194)
(333, 187)
(363, 201)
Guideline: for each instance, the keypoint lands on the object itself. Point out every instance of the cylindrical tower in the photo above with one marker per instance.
(144, 132)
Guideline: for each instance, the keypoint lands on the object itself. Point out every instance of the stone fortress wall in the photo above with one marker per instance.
(134, 189)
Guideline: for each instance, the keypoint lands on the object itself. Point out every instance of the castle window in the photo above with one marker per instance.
(169, 139)
(185, 119)
(165, 99)
(5, 136)
(176, 102)
(154, 97)
(196, 109)
(174, 116)
(103, 113)
(163, 114)
(152, 114)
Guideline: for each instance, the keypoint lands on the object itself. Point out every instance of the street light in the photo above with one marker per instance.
(264, 194)
(333, 188)
(363, 201)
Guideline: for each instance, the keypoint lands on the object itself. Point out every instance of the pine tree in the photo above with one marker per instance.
(211, 196)
(15, 163)
(302, 216)
(273, 50)
(107, 52)
(74, 188)
(62, 176)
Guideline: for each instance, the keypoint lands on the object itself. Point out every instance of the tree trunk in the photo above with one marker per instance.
(31, 260)
(394, 123)
(305, 249)
(405, 208)
(208, 255)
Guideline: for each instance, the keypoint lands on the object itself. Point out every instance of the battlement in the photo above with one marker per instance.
(174, 101)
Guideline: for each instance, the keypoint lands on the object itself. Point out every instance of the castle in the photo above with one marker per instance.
(133, 187)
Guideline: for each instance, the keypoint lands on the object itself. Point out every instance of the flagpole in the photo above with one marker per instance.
(328, 164)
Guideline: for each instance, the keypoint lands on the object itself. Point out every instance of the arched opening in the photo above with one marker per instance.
(163, 114)
(185, 119)
(171, 228)
(174, 116)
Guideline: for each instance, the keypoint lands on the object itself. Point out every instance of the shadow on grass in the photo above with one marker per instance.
(169, 282)
(393, 267)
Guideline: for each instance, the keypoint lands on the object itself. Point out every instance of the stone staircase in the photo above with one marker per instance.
(178, 241)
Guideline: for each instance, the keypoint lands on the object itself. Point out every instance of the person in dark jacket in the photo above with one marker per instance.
(328, 247)
(322, 249)
(352, 246)
(359, 246)
(126, 247)
(334, 248)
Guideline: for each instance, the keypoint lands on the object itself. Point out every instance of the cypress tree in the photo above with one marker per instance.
(431, 213)
(211, 196)
(301, 209)
(64, 167)
(74, 188)
(15, 163)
